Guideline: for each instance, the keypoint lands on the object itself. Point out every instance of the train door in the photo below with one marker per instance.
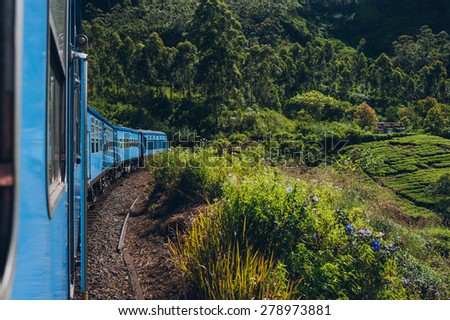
(77, 181)
(9, 103)
(83, 148)
(85, 152)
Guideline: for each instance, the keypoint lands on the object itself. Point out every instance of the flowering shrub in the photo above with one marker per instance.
(311, 237)
(318, 243)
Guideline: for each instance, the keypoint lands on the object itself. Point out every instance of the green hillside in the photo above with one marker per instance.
(379, 22)
(216, 67)
(410, 165)
(270, 84)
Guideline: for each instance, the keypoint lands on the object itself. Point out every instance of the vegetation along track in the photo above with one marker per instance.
(109, 275)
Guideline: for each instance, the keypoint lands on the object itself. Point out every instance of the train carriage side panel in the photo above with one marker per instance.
(98, 140)
(42, 253)
(128, 144)
(108, 146)
(156, 142)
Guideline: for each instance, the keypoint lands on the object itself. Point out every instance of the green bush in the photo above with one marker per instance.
(270, 236)
(318, 242)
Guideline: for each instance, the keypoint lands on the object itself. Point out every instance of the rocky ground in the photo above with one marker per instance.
(146, 240)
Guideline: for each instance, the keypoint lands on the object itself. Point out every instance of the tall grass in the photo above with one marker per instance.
(217, 267)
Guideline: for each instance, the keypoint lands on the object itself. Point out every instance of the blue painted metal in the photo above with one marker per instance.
(42, 253)
(47, 246)
(156, 142)
(99, 116)
(101, 160)
(83, 178)
(125, 151)
(73, 208)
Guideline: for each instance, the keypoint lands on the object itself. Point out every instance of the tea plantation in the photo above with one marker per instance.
(409, 165)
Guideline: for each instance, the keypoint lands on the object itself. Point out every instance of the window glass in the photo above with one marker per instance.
(96, 135)
(100, 137)
(57, 21)
(92, 134)
(55, 128)
(56, 104)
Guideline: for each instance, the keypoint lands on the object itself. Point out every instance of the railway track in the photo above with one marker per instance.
(128, 254)
(128, 259)
(110, 273)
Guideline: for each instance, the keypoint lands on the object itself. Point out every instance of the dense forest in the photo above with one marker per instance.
(370, 222)
(220, 68)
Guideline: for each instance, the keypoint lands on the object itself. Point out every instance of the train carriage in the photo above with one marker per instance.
(42, 180)
(154, 142)
(54, 149)
(100, 139)
(128, 144)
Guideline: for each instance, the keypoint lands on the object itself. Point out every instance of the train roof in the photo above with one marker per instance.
(124, 129)
(152, 132)
(98, 115)
(102, 118)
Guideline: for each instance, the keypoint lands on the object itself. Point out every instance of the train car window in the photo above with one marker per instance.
(92, 133)
(7, 101)
(57, 22)
(97, 133)
(106, 139)
(56, 123)
(56, 104)
(100, 136)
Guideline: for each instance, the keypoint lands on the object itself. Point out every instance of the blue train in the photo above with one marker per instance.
(54, 151)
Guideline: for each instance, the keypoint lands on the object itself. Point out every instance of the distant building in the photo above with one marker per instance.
(389, 127)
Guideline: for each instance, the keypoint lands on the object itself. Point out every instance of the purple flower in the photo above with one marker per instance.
(315, 199)
(393, 247)
(376, 245)
(349, 228)
(405, 280)
(365, 233)
(315, 236)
